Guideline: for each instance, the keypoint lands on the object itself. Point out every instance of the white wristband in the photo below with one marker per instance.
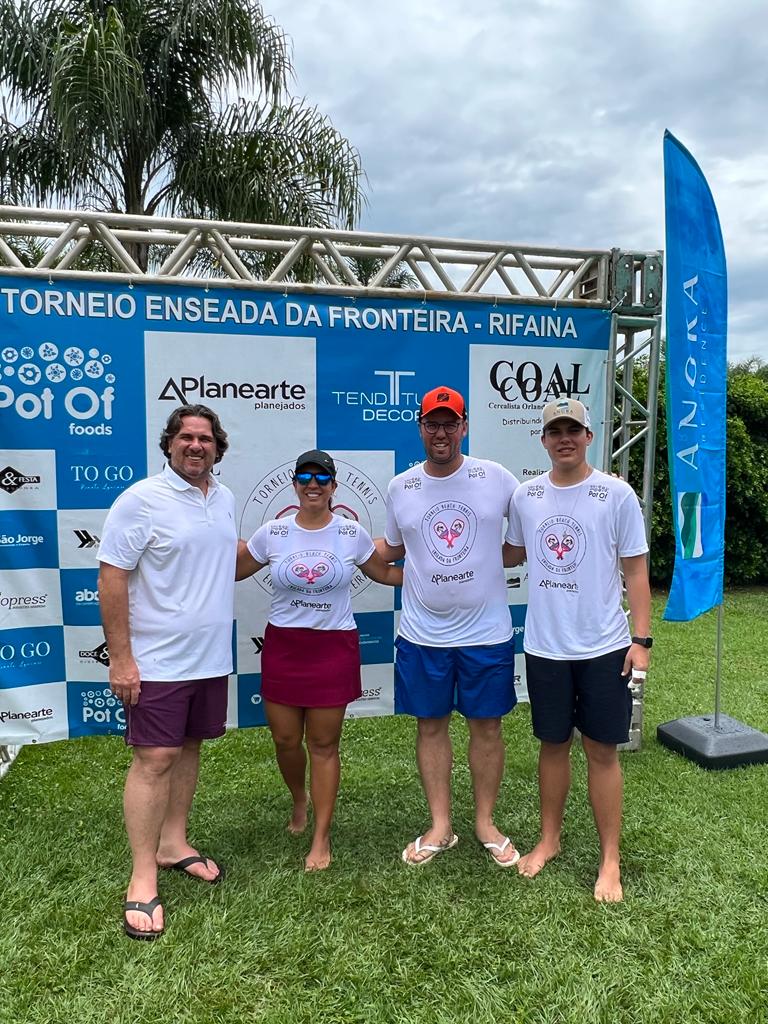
(638, 674)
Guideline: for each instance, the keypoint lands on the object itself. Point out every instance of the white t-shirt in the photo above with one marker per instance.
(181, 546)
(311, 570)
(454, 587)
(574, 537)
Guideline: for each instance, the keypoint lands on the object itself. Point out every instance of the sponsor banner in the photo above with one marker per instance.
(375, 629)
(28, 540)
(508, 392)
(29, 597)
(80, 597)
(696, 367)
(79, 537)
(89, 373)
(31, 656)
(87, 654)
(27, 478)
(32, 714)
(92, 709)
(378, 696)
(248, 704)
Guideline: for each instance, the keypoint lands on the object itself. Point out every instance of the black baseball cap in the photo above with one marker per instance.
(316, 458)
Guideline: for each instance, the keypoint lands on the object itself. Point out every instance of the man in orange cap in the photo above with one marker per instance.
(454, 647)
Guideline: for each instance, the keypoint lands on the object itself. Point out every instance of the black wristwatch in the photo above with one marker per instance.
(643, 641)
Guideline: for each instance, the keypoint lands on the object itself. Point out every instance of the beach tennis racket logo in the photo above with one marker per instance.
(310, 572)
(560, 545)
(449, 529)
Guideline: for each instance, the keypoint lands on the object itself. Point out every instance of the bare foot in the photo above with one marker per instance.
(608, 885)
(319, 856)
(137, 919)
(205, 869)
(298, 821)
(499, 846)
(433, 838)
(531, 864)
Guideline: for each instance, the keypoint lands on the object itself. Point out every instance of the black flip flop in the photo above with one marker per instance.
(143, 908)
(182, 865)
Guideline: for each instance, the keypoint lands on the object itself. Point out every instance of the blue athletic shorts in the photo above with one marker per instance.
(431, 682)
(591, 694)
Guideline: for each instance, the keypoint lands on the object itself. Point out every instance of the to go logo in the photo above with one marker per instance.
(27, 650)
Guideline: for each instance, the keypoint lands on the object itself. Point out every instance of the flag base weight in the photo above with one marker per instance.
(731, 745)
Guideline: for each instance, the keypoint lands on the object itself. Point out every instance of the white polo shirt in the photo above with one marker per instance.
(180, 546)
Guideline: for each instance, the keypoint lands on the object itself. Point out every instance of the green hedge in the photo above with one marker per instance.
(746, 510)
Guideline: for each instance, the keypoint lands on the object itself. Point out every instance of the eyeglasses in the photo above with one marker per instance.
(305, 478)
(432, 426)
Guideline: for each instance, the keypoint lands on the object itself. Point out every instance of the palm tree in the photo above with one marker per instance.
(365, 268)
(123, 106)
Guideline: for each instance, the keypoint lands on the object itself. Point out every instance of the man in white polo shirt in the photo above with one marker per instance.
(577, 526)
(166, 591)
(455, 648)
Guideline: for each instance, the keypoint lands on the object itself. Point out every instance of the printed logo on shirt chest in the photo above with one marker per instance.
(534, 491)
(599, 491)
(311, 572)
(449, 530)
(560, 544)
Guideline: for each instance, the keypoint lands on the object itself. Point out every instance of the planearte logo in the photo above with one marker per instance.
(39, 715)
(280, 397)
(457, 577)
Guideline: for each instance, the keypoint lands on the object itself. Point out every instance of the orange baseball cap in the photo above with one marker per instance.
(443, 398)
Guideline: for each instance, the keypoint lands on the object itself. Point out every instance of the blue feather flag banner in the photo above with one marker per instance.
(696, 367)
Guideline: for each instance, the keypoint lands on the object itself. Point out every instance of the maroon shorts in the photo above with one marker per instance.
(169, 713)
(310, 668)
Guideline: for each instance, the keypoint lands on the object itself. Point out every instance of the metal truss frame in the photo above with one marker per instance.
(47, 244)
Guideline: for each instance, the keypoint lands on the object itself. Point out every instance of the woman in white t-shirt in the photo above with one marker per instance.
(310, 662)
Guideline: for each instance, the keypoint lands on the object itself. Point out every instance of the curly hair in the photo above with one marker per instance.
(173, 426)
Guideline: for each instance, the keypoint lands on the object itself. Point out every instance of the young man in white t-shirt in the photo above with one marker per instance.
(454, 647)
(577, 525)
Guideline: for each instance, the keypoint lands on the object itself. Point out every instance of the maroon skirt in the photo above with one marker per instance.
(310, 668)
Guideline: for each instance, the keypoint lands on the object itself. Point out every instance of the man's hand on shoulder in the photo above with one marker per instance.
(389, 552)
(512, 554)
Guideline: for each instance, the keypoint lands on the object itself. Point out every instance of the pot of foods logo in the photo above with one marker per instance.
(560, 545)
(449, 529)
(38, 383)
(356, 498)
(101, 708)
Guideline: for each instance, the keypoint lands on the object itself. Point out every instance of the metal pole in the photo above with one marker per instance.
(719, 663)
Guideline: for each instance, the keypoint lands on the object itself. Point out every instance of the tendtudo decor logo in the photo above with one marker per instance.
(44, 383)
(356, 498)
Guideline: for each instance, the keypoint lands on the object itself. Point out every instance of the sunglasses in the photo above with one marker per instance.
(432, 426)
(305, 478)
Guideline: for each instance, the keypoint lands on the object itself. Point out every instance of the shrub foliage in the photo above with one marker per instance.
(746, 518)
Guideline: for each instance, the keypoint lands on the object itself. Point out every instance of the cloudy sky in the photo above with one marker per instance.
(541, 121)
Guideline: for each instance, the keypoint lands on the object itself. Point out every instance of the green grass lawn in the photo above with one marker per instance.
(371, 940)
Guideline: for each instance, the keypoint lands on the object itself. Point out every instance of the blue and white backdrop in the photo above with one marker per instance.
(89, 373)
